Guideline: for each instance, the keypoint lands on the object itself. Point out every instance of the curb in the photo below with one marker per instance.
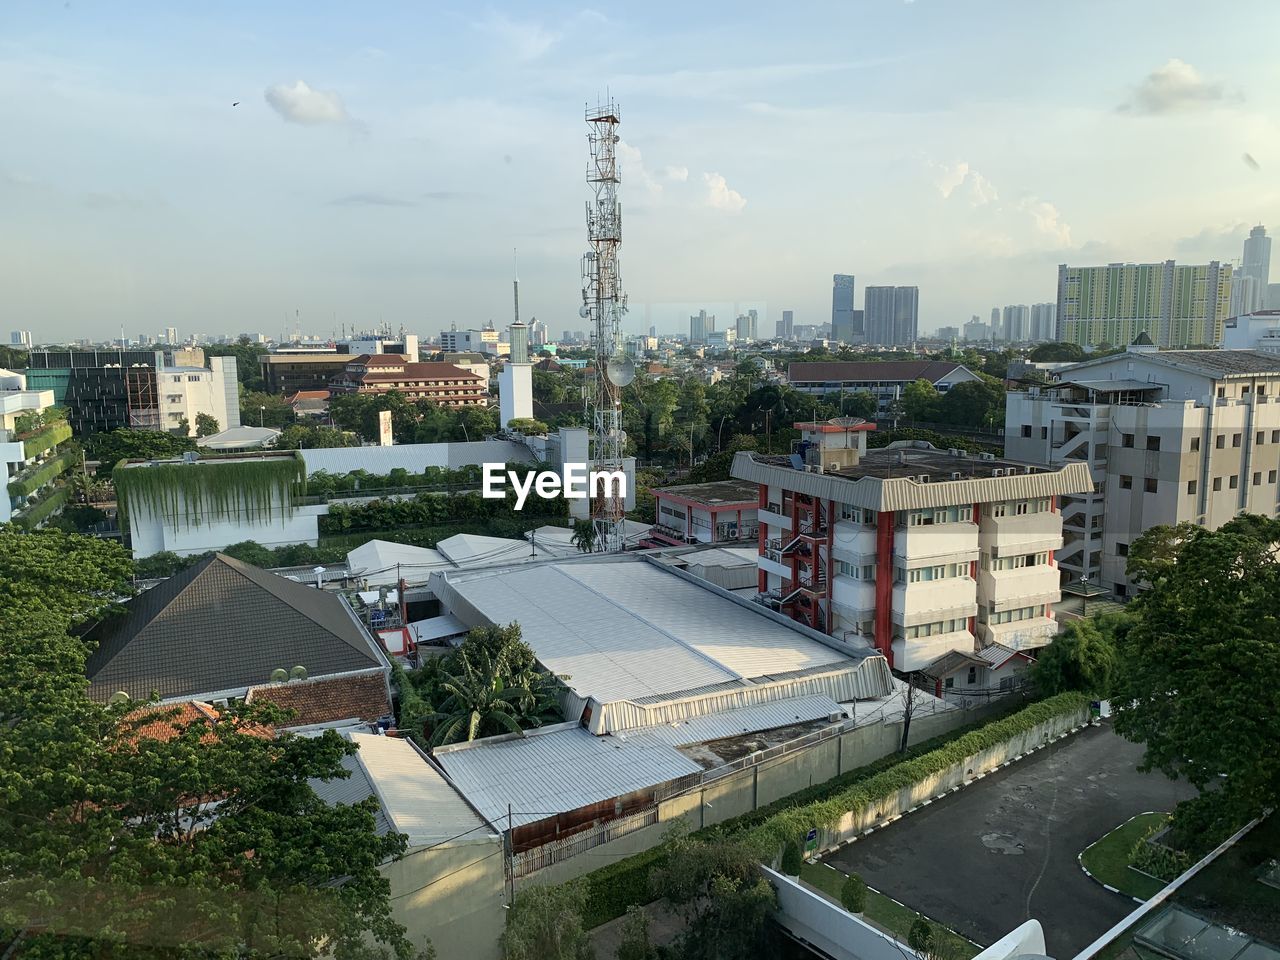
(1085, 870)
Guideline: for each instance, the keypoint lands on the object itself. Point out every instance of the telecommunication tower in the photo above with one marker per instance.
(604, 303)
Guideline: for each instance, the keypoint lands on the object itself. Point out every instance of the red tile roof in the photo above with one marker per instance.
(327, 700)
(170, 720)
(307, 395)
(422, 371)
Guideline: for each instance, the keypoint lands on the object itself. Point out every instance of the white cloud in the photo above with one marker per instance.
(1176, 86)
(720, 195)
(301, 104)
(631, 168)
(680, 174)
(979, 189)
(527, 39)
(1048, 220)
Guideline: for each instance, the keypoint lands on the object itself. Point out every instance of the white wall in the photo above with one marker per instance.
(151, 534)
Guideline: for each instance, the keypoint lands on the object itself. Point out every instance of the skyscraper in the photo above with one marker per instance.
(906, 315)
(1257, 263)
(891, 315)
(997, 327)
(1017, 323)
(842, 308)
(747, 324)
(700, 325)
(1044, 321)
(1176, 306)
(171, 335)
(787, 325)
(20, 338)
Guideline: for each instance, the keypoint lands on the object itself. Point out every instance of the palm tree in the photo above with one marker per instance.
(584, 535)
(477, 700)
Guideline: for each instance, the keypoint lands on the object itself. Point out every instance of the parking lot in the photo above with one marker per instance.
(1003, 850)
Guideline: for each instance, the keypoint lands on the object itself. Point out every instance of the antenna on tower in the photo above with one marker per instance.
(515, 283)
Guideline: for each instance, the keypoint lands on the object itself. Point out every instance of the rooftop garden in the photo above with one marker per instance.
(213, 488)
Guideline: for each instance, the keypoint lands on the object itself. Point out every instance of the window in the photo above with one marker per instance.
(1021, 508)
(1195, 444)
(1126, 483)
(1026, 429)
(1222, 392)
(1153, 443)
(973, 676)
(949, 683)
(1259, 438)
(1275, 436)
(996, 509)
(1191, 486)
(1122, 549)
(1220, 441)
(1271, 476)
(1217, 483)
(1126, 439)
(1257, 479)
(1235, 440)
(1233, 481)
(1149, 484)
(1044, 433)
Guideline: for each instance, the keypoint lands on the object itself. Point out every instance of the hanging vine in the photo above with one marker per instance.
(212, 489)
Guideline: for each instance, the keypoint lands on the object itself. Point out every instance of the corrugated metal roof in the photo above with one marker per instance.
(732, 723)
(415, 457)
(436, 628)
(558, 771)
(351, 791)
(382, 556)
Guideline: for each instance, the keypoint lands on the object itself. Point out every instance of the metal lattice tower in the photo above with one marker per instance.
(604, 303)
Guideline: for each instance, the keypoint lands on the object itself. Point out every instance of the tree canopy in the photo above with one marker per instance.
(111, 448)
(1198, 667)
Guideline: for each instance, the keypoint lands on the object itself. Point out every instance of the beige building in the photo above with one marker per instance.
(1169, 436)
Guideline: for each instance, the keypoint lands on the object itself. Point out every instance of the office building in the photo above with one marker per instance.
(891, 315)
(1273, 296)
(1169, 436)
(1257, 263)
(1175, 305)
(701, 326)
(1259, 330)
(721, 340)
(137, 389)
(538, 336)
(171, 336)
(917, 551)
(454, 340)
(21, 338)
(842, 290)
(786, 326)
(948, 333)
(405, 345)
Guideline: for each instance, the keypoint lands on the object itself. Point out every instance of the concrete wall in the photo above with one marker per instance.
(832, 929)
(452, 896)
(151, 533)
(745, 790)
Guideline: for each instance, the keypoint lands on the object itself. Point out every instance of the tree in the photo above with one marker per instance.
(853, 893)
(248, 360)
(921, 937)
(920, 400)
(635, 943)
(974, 403)
(68, 577)
(1082, 657)
(111, 448)
(1198, 669)
(584, 535)
(206, 425)
(528, 426)
(264, 409)
(1057, 353)
(478, 701)
(792, 859)
(251, 552)
(861, 404)
(183, 429)
(722, 897)
(303, 436)
(545, 923)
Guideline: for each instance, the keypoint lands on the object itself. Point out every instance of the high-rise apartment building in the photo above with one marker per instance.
(1175, 305)
(1016, 323)
(1169, 436)
(916, 551)
(842, 289)
(787, 325)
(20, 338)
(997, 325)
(891, 315)
(701, 325)
(1257, 264)
(1044, 322)
(747, 325)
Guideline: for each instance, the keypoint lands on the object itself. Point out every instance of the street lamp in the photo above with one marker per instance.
(1084, 602)
(262, 412)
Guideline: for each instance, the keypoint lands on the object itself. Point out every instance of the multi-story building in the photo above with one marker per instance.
(884, 379)
(28, 446)
(1044, 321)
(786, 326)
(286, 372)
(891, 315)
(701, 326)
(1259, 330)
(1256, 264)
(1016, 323)
(948, 333)
(21, 338)
(441, 383)
(842, 289)
(720, 340)
(1175, 305)
(723, 511)
(454, 340)
(171, 336)
(975, 331)
(918, 551)
(1168, 435)
(136, 389)
(405, 345)
(747, 326)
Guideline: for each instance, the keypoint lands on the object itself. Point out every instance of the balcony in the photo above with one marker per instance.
(913, 602)
(773, 516)
(854, 541)
(1029, 533)
(1020, 588)
(854, 594)
(956, 541)
(1020, 635)
(919, 653)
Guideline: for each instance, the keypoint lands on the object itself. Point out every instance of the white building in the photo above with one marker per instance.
(15, 455)
(454, 340)
(1169, 436)
(916, 550)
(515, 381)
(1259, 330)
(187, 392)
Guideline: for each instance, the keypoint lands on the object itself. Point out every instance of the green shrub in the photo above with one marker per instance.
(920, 937)
(612, 889)
(46, 439)
(1157, 860)
(36, 514)
(792, 859)
(29, 483)
(853, 893)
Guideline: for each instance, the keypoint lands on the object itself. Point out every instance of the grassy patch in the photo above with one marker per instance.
(1108, 858)
(885, 913)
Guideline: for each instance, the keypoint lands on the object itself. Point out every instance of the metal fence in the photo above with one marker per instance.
(529, 861)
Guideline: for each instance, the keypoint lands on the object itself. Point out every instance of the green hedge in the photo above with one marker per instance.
(46, 439)
(1158, 860)
(42, 510)
(612, 889)
(26, 485)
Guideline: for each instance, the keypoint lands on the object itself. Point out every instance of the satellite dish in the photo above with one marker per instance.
(584, 311)
(279, 675)
(621, 371)
(118, 697)
(298, 673)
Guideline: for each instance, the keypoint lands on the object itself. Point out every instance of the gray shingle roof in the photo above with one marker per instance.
(223, 625)
(1222, 363)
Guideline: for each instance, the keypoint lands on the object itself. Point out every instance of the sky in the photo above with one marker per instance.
(385, 160)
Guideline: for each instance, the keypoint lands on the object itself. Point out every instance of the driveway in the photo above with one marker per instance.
(1003, 850)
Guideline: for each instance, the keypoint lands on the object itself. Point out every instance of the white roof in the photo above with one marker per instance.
(629, 630)
(377, 560)
(415, 457)
(735, 723)
(381, 557)
(436, 628)
(415, 799)
(466, 549)
(723, 557)
(555, 771)
(238, 438)
(558, 541)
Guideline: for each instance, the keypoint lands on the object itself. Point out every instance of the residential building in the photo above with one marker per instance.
(842, 289)
(891, 315)
(917, 551)
(786, 326)
(966, 678)
(722, 511)
(441, 383)
(885, 379)
(137, 389)
(1256, 264)
(1247, 295)
(1015, 323)
(199, 636)
(747, 326)
(1175, 305)
(975, 331)
(1259, 330)
(948, 333)
(1168, 435)
(701, 326)
(21, 338)
(485, 341)
(309, 404)
(1044, 322)
(29, 458)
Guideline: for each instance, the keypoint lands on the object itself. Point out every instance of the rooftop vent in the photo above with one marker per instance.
(997, 472)
(956, 475)
(986, 456)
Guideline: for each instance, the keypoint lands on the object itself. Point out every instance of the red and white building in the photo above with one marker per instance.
(722, 511)
(917, 551)
(441, 383)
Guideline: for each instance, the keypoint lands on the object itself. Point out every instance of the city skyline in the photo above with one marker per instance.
(351, 182)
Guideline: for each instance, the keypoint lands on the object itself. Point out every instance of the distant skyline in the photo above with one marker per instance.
(382, 162)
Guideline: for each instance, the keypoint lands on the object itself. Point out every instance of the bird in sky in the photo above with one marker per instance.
(236, 104)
